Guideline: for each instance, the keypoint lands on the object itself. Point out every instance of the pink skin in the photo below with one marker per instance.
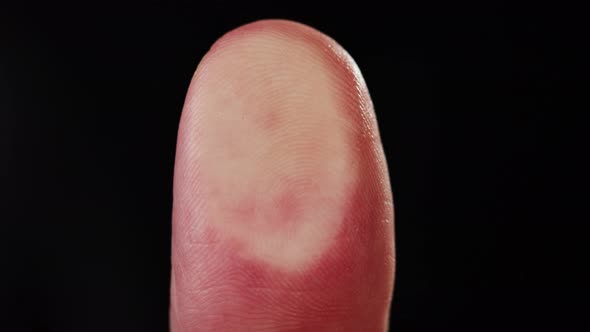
(347, 287)
(277, 212)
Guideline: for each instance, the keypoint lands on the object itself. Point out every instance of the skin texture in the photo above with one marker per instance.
(283, 215)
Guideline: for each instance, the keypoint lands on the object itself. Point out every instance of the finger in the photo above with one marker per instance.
(282, 214)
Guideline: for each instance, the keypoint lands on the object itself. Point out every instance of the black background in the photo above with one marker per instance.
(476, 103)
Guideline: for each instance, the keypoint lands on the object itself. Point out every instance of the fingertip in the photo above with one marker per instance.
(282, 214)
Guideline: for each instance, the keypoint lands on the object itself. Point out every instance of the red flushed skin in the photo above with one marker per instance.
(347, 287)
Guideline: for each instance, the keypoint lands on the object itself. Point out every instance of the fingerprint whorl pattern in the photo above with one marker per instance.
(289, 179)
